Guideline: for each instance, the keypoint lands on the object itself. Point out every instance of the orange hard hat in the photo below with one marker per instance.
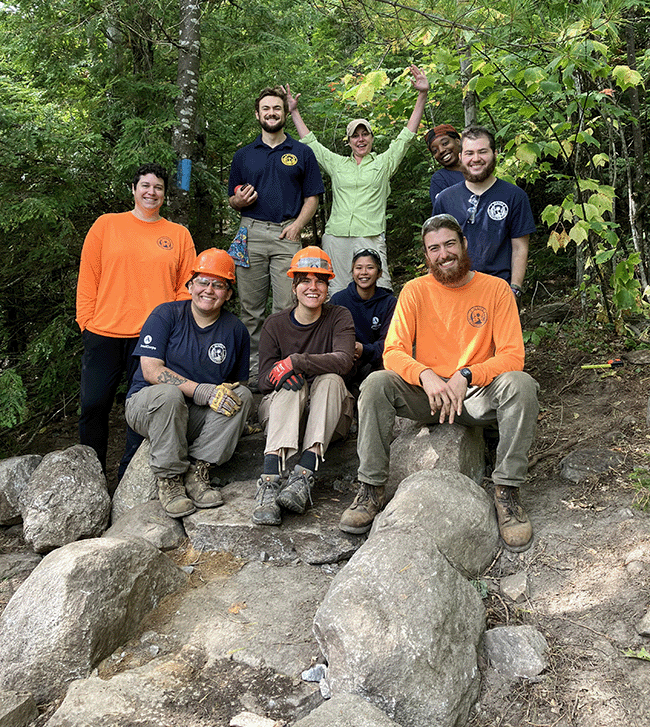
(311, 259)
(215, 262)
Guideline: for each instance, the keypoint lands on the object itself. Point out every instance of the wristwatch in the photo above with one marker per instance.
(467, 373)
(516, 290)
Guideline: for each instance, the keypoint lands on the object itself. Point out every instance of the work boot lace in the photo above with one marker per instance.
(173, 487)
(367, 493)
(509, 501)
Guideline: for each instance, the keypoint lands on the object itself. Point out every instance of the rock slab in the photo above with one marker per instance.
(14, 476)
(516, 651)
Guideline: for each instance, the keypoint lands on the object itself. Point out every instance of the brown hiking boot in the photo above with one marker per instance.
(197, 485)
(172, 496)
(358, 518)
(514, 525)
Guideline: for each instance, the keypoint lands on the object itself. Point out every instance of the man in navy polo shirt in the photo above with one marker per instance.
(495, 216)
(274, 183)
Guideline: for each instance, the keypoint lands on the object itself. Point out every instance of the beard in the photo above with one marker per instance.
(272, 127)
(483, 174)
(451, 277)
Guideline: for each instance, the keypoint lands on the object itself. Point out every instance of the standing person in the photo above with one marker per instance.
(130, 263)
(305, 351)
(372, 309)
(274, 183)
(186, 398)
(444, 144)
(495, 215)
(360, 185)
(454, 352)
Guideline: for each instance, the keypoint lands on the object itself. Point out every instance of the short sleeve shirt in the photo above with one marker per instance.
(442, 179)
(283, 177)
(220, 352)
(503, 212)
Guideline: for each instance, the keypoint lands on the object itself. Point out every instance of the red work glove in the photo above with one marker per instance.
(281, 372)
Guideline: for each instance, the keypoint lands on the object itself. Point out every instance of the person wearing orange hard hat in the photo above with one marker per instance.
(305, 351)
(186, 398)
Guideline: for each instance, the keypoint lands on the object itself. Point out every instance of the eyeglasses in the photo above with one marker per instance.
(471, 210)
(211, 283)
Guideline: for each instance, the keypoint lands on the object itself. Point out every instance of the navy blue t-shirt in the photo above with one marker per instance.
(442, 179)
(503, 212)
(283, 177)
(220, 352)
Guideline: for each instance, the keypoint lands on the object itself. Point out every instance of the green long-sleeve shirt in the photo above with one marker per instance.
(359, 191)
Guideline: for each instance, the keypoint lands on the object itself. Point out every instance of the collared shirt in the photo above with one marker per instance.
(360, 191)
(283, 177)
(502, 213)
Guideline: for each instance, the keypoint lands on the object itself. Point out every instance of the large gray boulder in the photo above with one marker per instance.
(65, 500)
(14, 476)
(401, 627)
(453, 511)
(137, 486)
(76, 607)
(151, 522)
(420, 446)
(346, 710)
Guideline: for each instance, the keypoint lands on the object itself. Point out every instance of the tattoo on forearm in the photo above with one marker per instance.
(169, 377)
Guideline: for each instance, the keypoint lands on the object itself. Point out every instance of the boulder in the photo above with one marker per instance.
(65, 500)
(149, 521)
(17, 709)
(420, 446)
(14, 476)
(401, 627)
(346, 710)
(582, 463)
(76, 607)
(516, 651)
(452, 510)
(137, 486)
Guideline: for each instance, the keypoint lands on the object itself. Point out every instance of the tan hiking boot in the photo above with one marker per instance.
(172, 496)
(358, 518)
(514, 525)
(197, 485)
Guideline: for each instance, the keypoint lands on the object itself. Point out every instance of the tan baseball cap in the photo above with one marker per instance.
(352, 126)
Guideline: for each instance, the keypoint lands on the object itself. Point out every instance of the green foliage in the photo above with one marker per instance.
(13, 399)
(542, 332)
(641, 481)
(641, 653)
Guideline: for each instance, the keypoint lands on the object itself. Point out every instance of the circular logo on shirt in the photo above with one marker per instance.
(166, 243)
(147, 340)
(289, 160)
(477, 316)
(376, 323)
(497, 211)
(217, 353)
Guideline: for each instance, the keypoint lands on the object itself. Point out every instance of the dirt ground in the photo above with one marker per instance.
(589, 568)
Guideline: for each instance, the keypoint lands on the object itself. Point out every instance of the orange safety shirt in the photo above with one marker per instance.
(446, 329)
(128, 267)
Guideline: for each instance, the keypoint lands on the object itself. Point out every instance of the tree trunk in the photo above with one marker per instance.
(187, 79)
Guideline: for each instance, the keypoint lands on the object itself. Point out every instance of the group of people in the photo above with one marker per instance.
(450, 349)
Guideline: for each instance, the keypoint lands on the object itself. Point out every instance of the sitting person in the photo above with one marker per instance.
(305, 351)
(186, 398)
(372, 308)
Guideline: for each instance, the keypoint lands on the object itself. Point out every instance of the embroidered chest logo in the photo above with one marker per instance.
(477, 316)
(376, 323)
(289, 160)
(217, 353)
(497, 211)
(166, 243)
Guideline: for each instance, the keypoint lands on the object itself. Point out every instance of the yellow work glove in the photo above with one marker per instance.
(221, 398)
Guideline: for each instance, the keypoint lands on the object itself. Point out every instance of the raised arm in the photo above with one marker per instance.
(300, 125)
(421, 84)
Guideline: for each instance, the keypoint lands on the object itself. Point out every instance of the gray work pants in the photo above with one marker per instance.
(510, 402)
(177, 428)
(270, 258)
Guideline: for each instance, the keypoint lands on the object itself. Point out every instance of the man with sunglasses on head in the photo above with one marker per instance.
(495, 215)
